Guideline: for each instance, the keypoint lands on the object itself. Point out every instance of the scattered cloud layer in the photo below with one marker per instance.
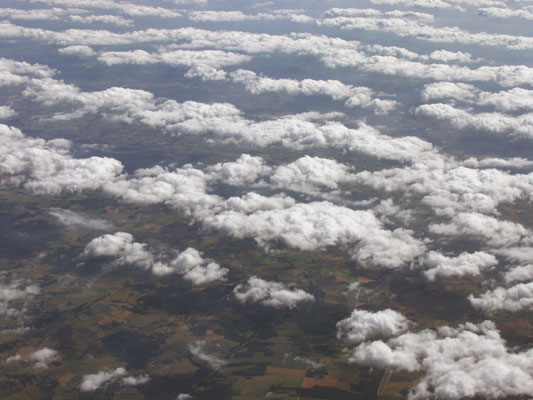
(454, 363)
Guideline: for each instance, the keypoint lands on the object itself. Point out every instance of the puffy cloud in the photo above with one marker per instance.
(515, 298)
(354, 96)
(499, 123)
(463, 264)
(305, 226)
(203, 63)
(518, 274)
(42, 357)
(234, 16)
(457, 4)
(362, 325)
(271, 294)
(492, 162)
(71, 218)
(252, 202)
(334, 52)
(404, 27)
(46, 167)
(18, 72)
(319, 224)
(6, 112)
(243, 171)
(190, 264)
(197, 349)
(184, 396)
(454, 363)
(496, 232)
(451, 56)
(224, 121)
(503, 12)
(101, 379)
(102, 19)
(522, 254)
(122, 7)
(372, 12)
(513, 100)
(122, 248)
(79, 51)
(516, 99)
(449, 90)
(449, 187)
(310, 171)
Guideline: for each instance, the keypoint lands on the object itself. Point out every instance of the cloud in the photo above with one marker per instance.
(223, 121)
(464, 264)
(202, 63)
(441, 4)
(122, 248)
(320, 173)
(17, 72)
(12, 359)
(46, 167)
(518, 274)
(6, 112)
(495, 232)
(271, 294)
(41, 358)
(309, 363)
(353, 96)
(372, 12)
(449, 187)
(197, 349)
(513, 100)
(102, 19)
(454, 363)
(130, 9)
(451, 56)
(521, 126)
(522, 254)
(333, 52)
(14, 299)
(403, 27)
(79, 51)
(243, 171)
(252, 202)
(492, 162)
(190, 264)
(104, 378)
(362, 325)
(515, 298)
(234, 16)
(319, 224)
(73, 219)
(502, 12)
